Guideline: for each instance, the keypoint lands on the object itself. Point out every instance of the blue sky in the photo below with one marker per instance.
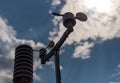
(91, 54)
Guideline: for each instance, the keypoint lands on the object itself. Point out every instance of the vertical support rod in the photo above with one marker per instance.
(57, 67)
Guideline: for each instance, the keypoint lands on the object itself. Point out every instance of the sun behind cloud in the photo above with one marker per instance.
(101, 6)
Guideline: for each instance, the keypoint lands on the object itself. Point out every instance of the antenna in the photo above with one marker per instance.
(56, 14)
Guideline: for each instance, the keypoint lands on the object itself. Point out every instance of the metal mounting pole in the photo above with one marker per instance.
(57, 67)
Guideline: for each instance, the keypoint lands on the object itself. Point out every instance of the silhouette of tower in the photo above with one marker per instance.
(23, 65)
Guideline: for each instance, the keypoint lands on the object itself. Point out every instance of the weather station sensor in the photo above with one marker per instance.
(21, 71)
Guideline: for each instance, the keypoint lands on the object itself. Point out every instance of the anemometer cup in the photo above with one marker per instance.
(81, 16)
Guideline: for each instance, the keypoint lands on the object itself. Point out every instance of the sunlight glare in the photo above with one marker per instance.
(99, 5)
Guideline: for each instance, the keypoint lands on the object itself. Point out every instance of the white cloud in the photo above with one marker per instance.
(83, 51)
(5, 76)
(114, 82)
(119, 66)
(8, 43)
(56, 2)
(116, 75)
(61, 67)
(100, 26)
